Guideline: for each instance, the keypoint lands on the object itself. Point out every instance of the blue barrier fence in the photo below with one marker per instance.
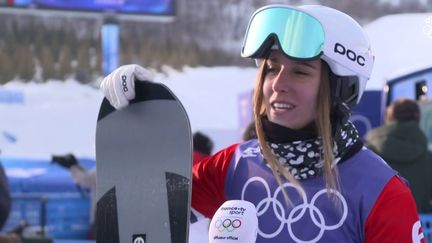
(64, 216)
(45, 196)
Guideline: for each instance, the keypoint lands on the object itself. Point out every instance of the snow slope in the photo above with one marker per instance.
(60, 117)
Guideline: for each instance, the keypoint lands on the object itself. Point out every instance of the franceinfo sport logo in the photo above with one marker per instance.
(427, 28)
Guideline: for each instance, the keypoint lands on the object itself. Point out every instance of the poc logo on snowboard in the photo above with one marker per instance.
(350, 54)
(139, 238)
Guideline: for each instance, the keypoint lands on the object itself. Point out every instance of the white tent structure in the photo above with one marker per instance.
(401, 43)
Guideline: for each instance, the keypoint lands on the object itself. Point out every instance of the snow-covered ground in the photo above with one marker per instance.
(60, 117)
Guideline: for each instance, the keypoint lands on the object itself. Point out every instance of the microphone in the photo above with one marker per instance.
(234, 221)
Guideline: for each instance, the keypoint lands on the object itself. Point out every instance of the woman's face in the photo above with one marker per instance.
(291, 90)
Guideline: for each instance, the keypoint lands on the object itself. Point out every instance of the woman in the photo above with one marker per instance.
(308, 173)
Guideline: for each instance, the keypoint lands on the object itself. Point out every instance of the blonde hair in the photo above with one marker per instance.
(322, 124)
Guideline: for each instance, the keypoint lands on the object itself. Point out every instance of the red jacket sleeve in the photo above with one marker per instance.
(394, 217)
(208, 181)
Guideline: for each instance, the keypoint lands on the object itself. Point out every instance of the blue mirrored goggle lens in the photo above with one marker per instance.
(299, 34)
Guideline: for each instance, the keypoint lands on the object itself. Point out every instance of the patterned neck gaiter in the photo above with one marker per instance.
(302, 153)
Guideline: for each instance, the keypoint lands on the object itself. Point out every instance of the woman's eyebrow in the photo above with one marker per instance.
(274, 60)
(308, 64)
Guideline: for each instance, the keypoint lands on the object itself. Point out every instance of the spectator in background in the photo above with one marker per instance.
(5, 208)
(404, 146)
(5, 199)
(202, 146)
(82, 177)
(11, 238)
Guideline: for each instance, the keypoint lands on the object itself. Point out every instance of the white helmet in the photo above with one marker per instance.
(341, 41)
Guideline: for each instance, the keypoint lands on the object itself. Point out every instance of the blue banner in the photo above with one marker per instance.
(153, 7)
(110, 47)
(369, 112)
(9, 96)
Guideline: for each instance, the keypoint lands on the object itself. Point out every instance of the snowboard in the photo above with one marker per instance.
(144, 164)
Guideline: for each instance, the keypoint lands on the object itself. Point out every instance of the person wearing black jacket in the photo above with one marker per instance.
(5, 198)
(83, 178)
(404, 146)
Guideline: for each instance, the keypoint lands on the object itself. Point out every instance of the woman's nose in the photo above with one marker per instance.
(280, 83)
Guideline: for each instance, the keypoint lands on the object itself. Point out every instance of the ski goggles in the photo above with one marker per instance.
(297, 34)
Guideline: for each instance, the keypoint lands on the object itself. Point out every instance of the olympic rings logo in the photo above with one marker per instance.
(227, 224)
(297, 212)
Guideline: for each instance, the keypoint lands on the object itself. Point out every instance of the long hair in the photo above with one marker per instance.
(323, 127)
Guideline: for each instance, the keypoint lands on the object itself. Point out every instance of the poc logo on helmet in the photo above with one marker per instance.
(350, 54)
